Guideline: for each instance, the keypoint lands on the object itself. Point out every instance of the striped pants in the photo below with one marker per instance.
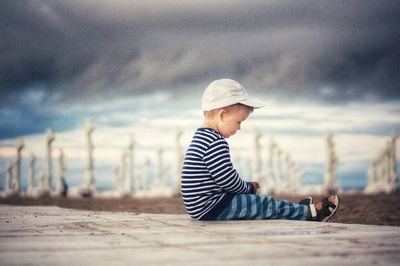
(253, 206)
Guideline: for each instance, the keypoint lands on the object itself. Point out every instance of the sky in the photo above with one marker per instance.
(139, 67)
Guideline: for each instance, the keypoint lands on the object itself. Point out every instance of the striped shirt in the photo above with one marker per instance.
(209, 181)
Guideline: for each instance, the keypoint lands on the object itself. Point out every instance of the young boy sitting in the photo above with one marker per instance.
(211, 187)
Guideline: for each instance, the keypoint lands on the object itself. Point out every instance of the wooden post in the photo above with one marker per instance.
(382, 172)
(257, 137)
(392, 158)
(61, 172)
(299, 179)
(287, 173)
(160, 172)
(138, 181)
(285, 169)
(238, 165)
(370, 174)
(387, 163)
(330, 164)
(271, 161)
(116, 178)
(89, 174)
(17, 183)
(122, 174)
(381, 167)
(179, 161)
(130, 182)
(375, 167)
(250, 166)
(48, 166)
(9, 178)
(31, 176)
(278, 165)
(291, 174)
(146, 174)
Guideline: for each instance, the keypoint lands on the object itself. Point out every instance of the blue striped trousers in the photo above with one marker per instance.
(258, 207)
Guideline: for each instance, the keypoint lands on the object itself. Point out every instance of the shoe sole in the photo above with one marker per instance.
(334, 211)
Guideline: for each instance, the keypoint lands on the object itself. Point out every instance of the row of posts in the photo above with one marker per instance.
(382, 171)
(13, 171)
(283, 175)
(125, 181)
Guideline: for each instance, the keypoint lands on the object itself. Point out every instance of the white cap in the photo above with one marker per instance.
(224, 92)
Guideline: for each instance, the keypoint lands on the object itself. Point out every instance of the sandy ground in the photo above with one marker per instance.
(379, 209)
(49, 235)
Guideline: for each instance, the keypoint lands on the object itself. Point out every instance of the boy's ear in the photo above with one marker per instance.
(221, 114)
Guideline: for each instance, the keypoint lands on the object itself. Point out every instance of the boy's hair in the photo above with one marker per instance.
(231, 108)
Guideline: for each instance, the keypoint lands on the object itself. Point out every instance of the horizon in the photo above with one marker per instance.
(302, 136)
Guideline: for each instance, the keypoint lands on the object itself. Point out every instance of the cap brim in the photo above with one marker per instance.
(253, 103)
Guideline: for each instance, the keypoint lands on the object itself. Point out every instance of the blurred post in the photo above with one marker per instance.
(179, 161)
(382, 172)
(371, 174)
(160, 174)
(9, 177)
(299, 179)
(122, 173)
(89, 174)
(146, 174)
(130, 187)
(287, 174)
(61, 187)
(17, 183)
(257, 137)
(116, 179)
(237, 164)
(31, 176)
(331, 162)
(386, 163)
(48, 166)
(381, 167)
(271, 162)
(392, 158)
(250, 166)
(278, 166)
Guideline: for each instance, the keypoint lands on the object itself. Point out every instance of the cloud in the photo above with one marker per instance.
(91, 50)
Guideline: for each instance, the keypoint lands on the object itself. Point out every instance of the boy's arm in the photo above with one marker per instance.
(218, 162)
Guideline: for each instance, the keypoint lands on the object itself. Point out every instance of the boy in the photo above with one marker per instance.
(211, 187)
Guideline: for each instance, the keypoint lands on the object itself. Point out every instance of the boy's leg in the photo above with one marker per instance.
(253, 206)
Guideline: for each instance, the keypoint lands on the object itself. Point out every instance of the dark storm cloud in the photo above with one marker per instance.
(72, 50)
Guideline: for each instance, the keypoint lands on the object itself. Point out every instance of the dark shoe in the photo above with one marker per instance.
(325, 213)
(307, 201)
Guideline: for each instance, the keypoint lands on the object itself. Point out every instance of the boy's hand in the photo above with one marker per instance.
(256, 186)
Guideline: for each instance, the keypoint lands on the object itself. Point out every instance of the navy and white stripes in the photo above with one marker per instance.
(209, 180)
(248, 206)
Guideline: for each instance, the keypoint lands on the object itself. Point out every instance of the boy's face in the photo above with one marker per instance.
(229, 122)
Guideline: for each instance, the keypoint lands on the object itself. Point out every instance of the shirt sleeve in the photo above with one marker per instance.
(218, 161)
